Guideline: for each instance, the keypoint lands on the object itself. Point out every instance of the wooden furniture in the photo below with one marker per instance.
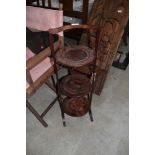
(39, 68)
(68, 11)
(102, 11)
(74, 90)
(112, 16)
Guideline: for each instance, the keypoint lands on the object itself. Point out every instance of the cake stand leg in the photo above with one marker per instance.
(60, 102)
(90, 115)
(64, 123)
(62, 114)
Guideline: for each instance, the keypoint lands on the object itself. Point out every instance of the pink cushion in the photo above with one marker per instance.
(43, 19)
(29, 54)
(39, 69)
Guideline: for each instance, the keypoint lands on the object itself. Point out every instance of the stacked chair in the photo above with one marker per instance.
(39, 67)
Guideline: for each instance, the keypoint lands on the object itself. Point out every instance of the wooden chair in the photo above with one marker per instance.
(39, 68)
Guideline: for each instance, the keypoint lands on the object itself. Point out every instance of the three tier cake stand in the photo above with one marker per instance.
(74, 90)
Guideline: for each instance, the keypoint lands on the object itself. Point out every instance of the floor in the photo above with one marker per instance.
(107, 135)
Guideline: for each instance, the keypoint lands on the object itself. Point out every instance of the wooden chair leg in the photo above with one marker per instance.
(48, 108)
(52, 87)
(29, 106)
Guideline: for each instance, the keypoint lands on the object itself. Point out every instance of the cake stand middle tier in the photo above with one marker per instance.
(74, 85)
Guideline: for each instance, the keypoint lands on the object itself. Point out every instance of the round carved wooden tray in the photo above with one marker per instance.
(75, 56)
(76, 107)
(75, 85)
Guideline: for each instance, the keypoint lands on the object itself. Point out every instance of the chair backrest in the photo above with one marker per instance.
(43, 19)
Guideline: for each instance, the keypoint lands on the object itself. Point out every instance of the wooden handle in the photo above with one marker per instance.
(68, 27)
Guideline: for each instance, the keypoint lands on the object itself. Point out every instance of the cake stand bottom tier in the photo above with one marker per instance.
(76, 107)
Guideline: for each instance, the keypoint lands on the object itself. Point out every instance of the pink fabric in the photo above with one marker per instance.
(29, 54)
(38, 70)
(43, 19)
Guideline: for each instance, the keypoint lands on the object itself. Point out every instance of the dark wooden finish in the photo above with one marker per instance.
(67, 5)
(68, 27)
(78, 88)
(75, 56)
(112, 16)
(76, 107)
(91, 115)
(85, 11)
(49, 4)
(75, 85)
(36, 114)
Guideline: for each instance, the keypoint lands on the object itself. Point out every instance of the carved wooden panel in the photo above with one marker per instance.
(112, 17)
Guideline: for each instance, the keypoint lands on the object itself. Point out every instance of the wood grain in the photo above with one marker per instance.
(112, 17)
